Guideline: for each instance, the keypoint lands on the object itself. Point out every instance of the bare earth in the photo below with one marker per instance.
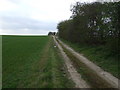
(75, 76)
(109, 78)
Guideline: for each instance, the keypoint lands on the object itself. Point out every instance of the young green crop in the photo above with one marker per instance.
(32, 62)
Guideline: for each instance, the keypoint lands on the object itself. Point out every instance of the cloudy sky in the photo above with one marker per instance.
(38, 17)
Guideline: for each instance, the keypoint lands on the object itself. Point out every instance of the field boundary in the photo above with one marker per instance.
(109, 78)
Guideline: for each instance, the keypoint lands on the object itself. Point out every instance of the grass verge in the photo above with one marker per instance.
(87, 74)
(99, 55)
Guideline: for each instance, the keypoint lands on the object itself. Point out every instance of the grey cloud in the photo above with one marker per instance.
(18, 23)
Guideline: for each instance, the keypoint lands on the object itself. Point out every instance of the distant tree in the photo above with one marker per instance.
(51, 33)
(54, 33)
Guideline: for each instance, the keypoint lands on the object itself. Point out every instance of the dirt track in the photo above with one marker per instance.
(75, 76)
(107, 77)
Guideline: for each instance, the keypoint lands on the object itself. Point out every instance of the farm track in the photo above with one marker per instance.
(105, 79)
(75, 76)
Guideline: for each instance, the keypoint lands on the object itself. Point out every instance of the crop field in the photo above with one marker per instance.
(32, 62)
(36, 62)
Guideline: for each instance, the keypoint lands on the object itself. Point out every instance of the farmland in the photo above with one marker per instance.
(32, 62)
(44, 62)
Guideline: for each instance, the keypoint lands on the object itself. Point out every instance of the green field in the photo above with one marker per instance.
(32, 62)
(0, 61)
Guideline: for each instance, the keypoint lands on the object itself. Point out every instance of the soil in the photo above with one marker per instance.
(74, 75)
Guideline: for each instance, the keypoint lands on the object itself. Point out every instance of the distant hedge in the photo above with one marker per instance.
(93, 24)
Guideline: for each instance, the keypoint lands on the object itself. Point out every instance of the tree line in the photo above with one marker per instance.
(93, 24)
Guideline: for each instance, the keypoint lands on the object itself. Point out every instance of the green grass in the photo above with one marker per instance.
(32, 62)
(86, 73)
(99, 55)
(0, 61)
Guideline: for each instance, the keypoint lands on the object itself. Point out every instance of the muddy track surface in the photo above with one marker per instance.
(74, 75)
(109, 80)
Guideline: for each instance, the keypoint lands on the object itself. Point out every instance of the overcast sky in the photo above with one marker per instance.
(33, 16)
